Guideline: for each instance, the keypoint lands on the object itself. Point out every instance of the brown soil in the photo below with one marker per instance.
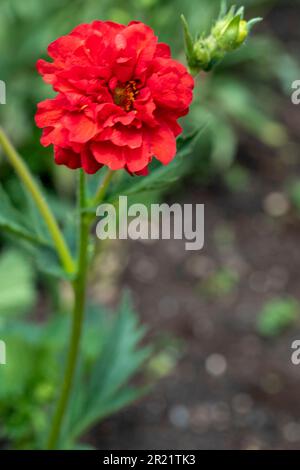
(231, 388)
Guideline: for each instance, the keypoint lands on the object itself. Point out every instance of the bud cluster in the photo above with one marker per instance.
(228, 33)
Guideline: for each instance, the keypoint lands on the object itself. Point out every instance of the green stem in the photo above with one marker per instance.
(103, 188)
(31, 185)
(79, 287)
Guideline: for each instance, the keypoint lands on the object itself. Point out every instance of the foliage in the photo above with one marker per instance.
(276, 315)
(234, 97)
(229, 32)
(111, 351)
(228, 105)
(220, 283)
(111, 356)
(293, 191)
(15, 271)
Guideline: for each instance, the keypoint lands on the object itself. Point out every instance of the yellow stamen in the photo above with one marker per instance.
(124, 96)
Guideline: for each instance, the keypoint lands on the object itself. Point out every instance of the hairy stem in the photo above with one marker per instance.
(31, 185)
(79, 287)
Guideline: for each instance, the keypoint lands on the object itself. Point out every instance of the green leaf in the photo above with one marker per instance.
(30, 378)
(47, 262)
(104, 388)
(17, 290)
(12, 222)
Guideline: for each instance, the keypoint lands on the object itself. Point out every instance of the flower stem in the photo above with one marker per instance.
(79, 287)
(103, 187)
(31, 185)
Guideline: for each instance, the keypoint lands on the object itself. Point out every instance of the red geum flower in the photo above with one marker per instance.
(120, 95)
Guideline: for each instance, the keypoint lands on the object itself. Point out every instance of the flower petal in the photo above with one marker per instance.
(64, 156)
(82, 129)
(89, 164)
(163, 144)
(109, 154)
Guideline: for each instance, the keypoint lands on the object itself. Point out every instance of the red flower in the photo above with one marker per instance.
(119, 95)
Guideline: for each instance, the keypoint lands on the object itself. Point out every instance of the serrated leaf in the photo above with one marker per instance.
(104, 389)
(46, 261)
(12, 222)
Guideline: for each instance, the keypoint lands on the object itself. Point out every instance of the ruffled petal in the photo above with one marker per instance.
(120, 95)
(89, 164)
(109, 154)
(67, 157)
(163, 144)
(81, 128)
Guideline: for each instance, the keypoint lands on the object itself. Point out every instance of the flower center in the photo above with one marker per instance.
(125, 95)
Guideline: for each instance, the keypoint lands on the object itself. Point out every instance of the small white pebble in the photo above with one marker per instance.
(216, 364)
(276, 204)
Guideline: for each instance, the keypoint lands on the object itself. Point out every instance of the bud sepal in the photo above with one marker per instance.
(229, 32)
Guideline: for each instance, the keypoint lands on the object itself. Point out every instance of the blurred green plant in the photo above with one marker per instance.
(293, 191)
(15, 271)
(277, 315)
(103, 387)
(239, 96)
(220, 283)
(230, 101)
(237, 178)
(111, 356)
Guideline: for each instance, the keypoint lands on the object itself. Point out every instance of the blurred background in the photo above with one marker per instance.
(222, 320)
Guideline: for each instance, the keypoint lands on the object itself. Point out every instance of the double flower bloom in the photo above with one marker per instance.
(119, 96)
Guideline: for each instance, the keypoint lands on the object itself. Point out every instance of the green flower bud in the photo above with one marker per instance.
(229, 32)
(202, 54)
(228, 38)
(243, 32)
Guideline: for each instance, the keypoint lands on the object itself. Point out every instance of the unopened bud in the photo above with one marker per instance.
(243, 32)
(228, 33)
